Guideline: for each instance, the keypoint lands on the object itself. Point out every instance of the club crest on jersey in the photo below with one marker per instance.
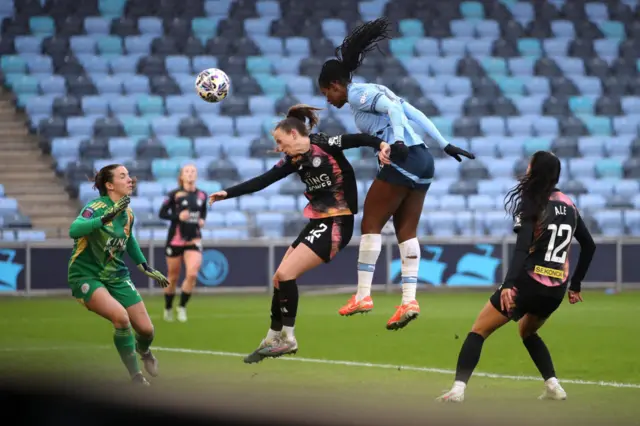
(316, 161)
(84, 288)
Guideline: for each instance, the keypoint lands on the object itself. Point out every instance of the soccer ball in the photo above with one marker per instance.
(212, 85)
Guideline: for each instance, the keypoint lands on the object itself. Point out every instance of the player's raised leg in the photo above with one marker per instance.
(488, 321)
(144, 336)
(528, 328)
(103, 304)
(382, 200)
(192, 262)
(405, 222)
(174, 265)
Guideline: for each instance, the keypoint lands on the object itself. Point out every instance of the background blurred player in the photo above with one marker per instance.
(333, 200)
(546, 220)
(98, 276)
(186, 208)
(400, 188)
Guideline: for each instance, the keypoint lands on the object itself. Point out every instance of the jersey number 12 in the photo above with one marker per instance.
(558, 254)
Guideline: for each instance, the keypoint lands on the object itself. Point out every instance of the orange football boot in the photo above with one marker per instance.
(404, 315)
(352, 307)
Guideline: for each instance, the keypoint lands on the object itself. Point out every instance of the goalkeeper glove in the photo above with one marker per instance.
(399, 151)
(156, 275)
(456, 152)
(114, 210)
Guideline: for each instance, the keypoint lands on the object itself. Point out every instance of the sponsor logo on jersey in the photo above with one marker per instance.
(318, 182)
(549, 272)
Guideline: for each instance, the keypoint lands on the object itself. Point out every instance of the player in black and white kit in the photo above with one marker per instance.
(186, 208)
(333, 201)
(546, 220)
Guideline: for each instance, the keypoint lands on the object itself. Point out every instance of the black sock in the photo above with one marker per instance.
(288, 295)
(469, 356)
(276, 315)
(540, 355)
(168, 300)
(184, 298)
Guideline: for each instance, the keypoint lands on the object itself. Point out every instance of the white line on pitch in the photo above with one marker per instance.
(404, 367)
(337, 362)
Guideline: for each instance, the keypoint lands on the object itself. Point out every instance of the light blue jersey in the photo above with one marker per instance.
(380, 112)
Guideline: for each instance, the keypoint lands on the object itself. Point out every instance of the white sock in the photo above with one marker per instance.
(551, 382)
(410, 254)
(459, 385)
(288, 332)
(370, 247)
(271, 334)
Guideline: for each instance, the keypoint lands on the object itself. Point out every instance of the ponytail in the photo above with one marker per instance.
(297, 117)
(350, 53)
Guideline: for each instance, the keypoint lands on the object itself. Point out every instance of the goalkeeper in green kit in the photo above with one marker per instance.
(98, 276)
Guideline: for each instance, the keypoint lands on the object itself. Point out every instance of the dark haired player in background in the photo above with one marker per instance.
(186, 208)
(546, 221)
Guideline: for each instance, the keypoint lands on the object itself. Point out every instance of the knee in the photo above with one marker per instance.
(120, 319)
(404, 235)
(146, 330)
(282, 275)
(481, 330)
(370, 225)
(192, 275)
(526, 334)
(173, 275)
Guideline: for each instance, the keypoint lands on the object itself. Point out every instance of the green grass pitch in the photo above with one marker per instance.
(353, 362)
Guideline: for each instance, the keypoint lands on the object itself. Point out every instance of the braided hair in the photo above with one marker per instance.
(350, 53)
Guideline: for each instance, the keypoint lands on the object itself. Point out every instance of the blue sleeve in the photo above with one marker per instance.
(427, 125)
(384, 105)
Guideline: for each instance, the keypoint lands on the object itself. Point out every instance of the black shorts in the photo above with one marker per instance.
(326, 236)
(416, 171)
(531, 298)
(177, 251)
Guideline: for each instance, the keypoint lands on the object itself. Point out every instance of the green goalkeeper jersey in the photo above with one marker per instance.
(99, 248)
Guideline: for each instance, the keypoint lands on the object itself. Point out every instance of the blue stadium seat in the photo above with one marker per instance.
(609, 221)
(8, 206)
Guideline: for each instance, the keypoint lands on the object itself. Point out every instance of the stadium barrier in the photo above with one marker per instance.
(247, 266)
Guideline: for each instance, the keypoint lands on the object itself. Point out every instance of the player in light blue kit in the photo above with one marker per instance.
(405, 172)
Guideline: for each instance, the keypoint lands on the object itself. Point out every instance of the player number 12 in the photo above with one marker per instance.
(553, 252)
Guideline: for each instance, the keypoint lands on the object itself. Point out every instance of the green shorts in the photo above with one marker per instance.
(124, 291)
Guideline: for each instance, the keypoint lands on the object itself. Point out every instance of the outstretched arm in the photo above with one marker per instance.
(134, 251)
(258, 183)
(383, 105)
(83, 226)
(427, 125)
(355, 140)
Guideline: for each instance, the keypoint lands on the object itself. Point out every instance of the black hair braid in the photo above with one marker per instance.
(362, 40)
